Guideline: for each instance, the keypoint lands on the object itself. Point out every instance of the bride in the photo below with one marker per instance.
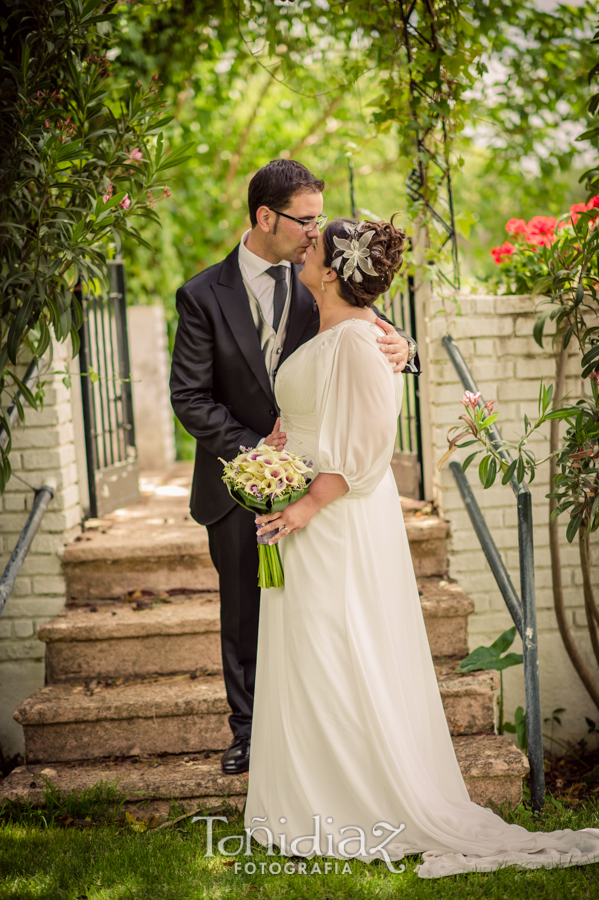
(351, 755)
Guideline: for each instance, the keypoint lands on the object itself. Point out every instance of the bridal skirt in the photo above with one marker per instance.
(349, 729)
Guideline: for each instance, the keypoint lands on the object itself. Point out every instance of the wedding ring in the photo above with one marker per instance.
(285, 529)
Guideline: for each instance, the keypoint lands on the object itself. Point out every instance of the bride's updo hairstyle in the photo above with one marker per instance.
(381, 253)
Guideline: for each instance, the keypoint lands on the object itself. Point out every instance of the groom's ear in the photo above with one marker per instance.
(265, 219)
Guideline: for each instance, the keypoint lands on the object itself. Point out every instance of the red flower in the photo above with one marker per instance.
(516, 226)
(575, 209)
(506, 251)
(541, 231)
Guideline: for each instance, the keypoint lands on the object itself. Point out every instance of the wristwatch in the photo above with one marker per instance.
(413, 349)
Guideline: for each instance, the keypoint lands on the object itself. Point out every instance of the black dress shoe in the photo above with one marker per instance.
(237, 758)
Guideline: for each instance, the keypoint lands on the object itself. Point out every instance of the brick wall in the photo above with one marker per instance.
(494, 335)
(43, 450)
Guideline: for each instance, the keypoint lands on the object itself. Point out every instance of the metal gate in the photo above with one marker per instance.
(107, 397)
(407, 458)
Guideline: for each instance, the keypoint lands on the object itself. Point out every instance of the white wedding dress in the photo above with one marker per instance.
(348, 725)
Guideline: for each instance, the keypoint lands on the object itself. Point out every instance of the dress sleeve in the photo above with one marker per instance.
(357, 404)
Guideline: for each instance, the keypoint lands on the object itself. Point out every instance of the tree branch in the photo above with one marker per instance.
(556, 568)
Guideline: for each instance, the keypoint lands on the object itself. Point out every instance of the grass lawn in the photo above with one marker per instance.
(55, 854)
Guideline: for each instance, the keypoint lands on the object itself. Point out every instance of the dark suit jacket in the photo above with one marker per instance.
(220, 390)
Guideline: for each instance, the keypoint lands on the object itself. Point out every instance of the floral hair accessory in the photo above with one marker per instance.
(356, 254)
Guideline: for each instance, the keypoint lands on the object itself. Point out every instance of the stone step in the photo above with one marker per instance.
(181, 714)
(469, 700)
(428, 543)
(446, 608)
(492, 766)
(119, 640)
(171, 714)
(155, 546)
(114, 639)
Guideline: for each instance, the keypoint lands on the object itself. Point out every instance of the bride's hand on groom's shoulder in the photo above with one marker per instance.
(394, 346)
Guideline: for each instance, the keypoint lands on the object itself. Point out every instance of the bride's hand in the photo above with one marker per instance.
(293, 518)
(276, 438)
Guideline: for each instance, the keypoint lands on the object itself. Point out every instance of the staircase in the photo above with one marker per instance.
(134, 689)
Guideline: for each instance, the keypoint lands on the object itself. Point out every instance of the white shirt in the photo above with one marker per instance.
(253, 269)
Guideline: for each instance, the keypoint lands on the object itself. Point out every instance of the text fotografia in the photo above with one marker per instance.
(351, 846)
(293, 868)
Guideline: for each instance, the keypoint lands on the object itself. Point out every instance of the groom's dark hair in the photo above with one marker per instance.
(275, 184)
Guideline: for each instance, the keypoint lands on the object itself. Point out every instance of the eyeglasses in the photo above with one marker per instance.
(306, 225)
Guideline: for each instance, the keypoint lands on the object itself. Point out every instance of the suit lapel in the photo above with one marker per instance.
(302, 309)
(233, 300)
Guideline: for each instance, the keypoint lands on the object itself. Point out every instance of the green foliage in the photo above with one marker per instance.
(518, 727)
(491, 657)
(79, 160)
(479, 421)
(339, 85)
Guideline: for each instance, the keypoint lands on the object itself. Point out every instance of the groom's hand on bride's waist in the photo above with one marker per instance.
(394, 346)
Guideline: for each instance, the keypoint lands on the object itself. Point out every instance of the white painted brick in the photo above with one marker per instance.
(484, 369)
(12, 523)
(518, 390)
(62, 521)
(535, 368)
(518, 305)
(22, 649)
(484, 347)
(5, 628)
(46, 438)
(483, 326)
(45, 460)
(33, 607)
(49, 584)
(66, 498)
(48, 543)
(23, 628)
(22, 586)
(42, 564)
(14, 502)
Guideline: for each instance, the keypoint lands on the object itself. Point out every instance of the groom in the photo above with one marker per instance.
(238, 321)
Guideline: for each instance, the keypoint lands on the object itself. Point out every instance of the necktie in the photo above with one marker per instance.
(279, 273)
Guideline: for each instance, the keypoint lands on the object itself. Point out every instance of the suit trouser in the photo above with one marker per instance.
(234, 552)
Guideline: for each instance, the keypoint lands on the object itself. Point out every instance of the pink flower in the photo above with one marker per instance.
(136, 155)
(489, 406)
(470, 399)
(106, 197)
(504, 252)
(125, 202)
(515, 226)
(167, 193)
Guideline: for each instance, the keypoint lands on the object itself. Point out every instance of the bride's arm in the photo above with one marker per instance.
(323, 490)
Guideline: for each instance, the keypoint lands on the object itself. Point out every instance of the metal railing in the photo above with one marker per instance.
(523, 608)
(43, 495)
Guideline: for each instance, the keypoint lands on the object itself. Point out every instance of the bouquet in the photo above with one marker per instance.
(267, 480)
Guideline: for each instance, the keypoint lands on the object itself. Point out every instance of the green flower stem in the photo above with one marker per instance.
(270, 570)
